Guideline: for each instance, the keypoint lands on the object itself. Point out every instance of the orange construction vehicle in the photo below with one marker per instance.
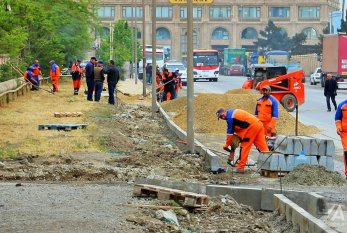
(288, 89)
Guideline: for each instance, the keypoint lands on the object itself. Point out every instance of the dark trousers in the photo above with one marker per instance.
(169, 89)
(98, 89)
(332, 97)
(90, 86)
(111, 89)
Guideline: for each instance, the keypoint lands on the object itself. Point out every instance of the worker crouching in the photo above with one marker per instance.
(248, 128)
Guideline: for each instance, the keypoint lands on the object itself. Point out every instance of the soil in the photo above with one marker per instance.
(129, 144)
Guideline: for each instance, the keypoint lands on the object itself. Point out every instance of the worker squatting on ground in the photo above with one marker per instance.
(341, 129)
(267, 111)
(36, 71)
(76, 74)
(54, 73)
(168, 79)
(248, 128)
(29, 77)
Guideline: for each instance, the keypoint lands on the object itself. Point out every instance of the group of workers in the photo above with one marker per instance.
(245, 129)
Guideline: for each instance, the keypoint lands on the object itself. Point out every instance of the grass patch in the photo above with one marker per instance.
(7, 153)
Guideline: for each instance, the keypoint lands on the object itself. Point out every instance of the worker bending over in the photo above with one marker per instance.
(248, 128)
(341, 128)
(29, 77)
(54, 73)
(267, 111)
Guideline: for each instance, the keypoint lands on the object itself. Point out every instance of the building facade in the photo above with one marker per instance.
(222, 24)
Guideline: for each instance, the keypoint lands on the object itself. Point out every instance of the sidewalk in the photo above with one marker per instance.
(129, 87)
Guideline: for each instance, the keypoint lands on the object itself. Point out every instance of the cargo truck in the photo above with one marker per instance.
(234, 57)
(334, 59)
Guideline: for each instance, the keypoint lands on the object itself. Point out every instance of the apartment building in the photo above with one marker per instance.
(221, 24)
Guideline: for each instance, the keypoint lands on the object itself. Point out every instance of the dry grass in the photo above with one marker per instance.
(20, 119)
(205, 106)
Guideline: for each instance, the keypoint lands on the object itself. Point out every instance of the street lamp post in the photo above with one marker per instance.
(143, 48)
(190, 79)
(154, 58)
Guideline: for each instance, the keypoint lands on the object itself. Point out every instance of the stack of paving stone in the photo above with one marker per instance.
(318, 151)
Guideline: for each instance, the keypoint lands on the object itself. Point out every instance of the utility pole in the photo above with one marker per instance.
(343, 9)
(143, 48)
(190, 79)
(135, 43)
(154, 58)
(132, 40)
(111, 42)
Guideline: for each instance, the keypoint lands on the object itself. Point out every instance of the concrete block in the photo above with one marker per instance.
(243, 195)
(330, 149)
(306, 144)
(297, 160)
(313, 160)
(272, 163)
(322, 160)
(316, 204)
(298, 147)
(282, 165)
(290, 160)
(314, 147)
(322, 146)
(284, 144)
(330, 163)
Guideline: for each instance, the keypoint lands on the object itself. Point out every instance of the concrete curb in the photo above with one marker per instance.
(211, 159)
(299, 217)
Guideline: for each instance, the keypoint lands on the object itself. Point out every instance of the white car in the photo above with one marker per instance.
(316, 76)
(173, 65)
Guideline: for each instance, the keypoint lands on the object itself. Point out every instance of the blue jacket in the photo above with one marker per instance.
(90, 70)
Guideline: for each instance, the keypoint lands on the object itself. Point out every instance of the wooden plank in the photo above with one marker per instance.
(272, 174)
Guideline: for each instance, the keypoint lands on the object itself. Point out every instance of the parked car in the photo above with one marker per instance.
(236, 70)
(316, 76)
(173, 65)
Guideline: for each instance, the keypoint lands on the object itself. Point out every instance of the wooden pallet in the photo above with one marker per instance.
(162, 193)
(68, 114)
(65, 127)
(272, 174)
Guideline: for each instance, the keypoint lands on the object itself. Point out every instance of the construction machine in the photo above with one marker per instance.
(288, 89)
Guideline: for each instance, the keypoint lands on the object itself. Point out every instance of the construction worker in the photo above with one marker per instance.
(267, 111)
(169, 79)
(341, 128)
(76, 74)
(159, 85)
(54, 73)
(29, 77)
(112, 80)
(178, 84)
(36, 71)
(90, 77)
(98, 80)
(248, 128)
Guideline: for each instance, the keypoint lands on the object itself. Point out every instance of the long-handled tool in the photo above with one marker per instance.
(157, 93)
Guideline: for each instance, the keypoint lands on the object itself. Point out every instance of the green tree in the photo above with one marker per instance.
(275, 38)
(45, 30)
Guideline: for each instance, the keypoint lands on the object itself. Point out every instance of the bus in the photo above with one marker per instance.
(159, 56)
(206, 64)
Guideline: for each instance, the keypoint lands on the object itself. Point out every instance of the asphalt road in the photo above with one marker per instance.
(312, 112)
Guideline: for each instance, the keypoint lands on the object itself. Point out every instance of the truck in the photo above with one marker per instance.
(234, 57)
(334, 59)
(287, 88)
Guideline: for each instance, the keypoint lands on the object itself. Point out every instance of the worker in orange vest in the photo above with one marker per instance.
(248, 128)
(267, 111)
(36, 71)
(76, 74)
(169, 79)
(54, 73)
(341, 128)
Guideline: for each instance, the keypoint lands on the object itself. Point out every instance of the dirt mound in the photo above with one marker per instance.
(310, 175)
(205, 106)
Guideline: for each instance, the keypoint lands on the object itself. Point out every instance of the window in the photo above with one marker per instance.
(311, 33)
(249, 34)
(279, 12)
(220, 34)
(249, 12)
(105, 11)
(197, 12)
(309, 12)
(128, 12)
(222, 12)
(164, 12)
(163, 34)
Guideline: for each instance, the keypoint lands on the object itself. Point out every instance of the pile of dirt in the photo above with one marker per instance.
(310, 175)
(222, 215)
(206, 105)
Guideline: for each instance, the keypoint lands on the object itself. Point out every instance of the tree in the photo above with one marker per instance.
(275, 38)
(45, 30)
(343, 25)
